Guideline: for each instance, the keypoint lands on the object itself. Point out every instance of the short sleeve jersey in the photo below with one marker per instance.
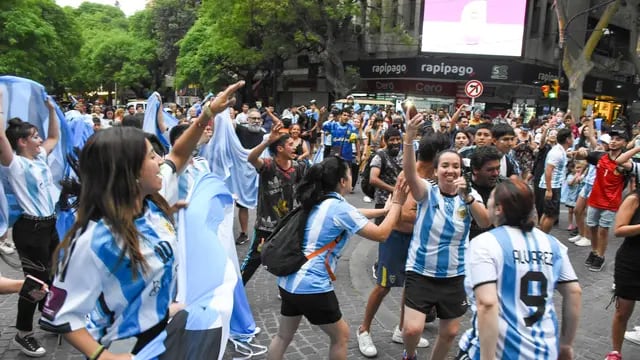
(558, 158)
(341, 138)
(276, 192)
(609, 182)
(440, 235)
(196, 168)
(326, 222)
(526, 267)
(32, 182)
(388, 172)
(169, 182)
(96, 290)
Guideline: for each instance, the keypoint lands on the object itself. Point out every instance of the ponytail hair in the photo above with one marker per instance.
(516, 199)
(18, 129)
(321, 179)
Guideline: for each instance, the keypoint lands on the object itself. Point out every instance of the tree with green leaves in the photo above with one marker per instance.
(38, 41)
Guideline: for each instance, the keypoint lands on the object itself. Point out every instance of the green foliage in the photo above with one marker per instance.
(37, 41)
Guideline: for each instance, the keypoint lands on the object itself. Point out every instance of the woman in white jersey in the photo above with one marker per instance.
(23, 155)
(512, 273)
(116, 274)
(309, 291)
(435, 261)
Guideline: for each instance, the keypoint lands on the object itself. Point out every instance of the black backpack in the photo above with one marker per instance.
(282, 251)
(365, 184)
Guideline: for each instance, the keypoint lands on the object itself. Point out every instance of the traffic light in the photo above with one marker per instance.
(545, 90)
(555, 89)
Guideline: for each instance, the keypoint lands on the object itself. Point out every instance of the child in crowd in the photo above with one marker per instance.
(574, 184)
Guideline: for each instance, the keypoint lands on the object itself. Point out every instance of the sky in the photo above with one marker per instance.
(129, 7)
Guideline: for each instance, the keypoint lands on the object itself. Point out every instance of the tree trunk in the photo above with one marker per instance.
(577, 64)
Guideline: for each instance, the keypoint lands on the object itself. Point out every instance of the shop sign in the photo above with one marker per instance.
(411, 87)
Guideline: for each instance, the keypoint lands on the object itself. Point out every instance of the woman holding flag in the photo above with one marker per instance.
(23, 156)
(117, 262)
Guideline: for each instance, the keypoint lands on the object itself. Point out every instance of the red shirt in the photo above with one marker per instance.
(608, 184)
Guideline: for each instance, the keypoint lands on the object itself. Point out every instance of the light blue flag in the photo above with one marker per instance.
(150, 124)
(25, 99)
(4, 211)
(319, 155)
(228, 159)
(206, 279)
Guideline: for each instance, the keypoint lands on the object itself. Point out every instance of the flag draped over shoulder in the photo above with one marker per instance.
(228, 159)
(206, 282)
(150, 124)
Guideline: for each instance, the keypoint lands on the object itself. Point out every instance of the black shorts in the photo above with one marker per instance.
(551, 207)
(422, 293)
(240, 206)
(625, 274)
(319, 309)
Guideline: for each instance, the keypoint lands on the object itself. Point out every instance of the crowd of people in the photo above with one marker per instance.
(462, 208)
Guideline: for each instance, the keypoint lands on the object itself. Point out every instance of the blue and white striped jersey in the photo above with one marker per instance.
(557, 157)
(94, 290)
(526, 268)
(591, 175)
(440, 235)
(32, 184)
(326, 222)
(197, 167)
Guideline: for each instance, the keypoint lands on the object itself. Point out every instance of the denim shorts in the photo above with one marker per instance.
(600, 217)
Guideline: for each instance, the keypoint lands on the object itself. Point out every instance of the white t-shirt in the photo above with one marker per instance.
(32, 184)
(169, 182)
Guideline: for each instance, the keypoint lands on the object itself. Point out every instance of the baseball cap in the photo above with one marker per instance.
(605, 138)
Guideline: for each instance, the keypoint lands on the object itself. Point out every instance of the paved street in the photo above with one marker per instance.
(352, 287)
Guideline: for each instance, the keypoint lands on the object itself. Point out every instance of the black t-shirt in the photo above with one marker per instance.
(539, 164)
(485, 193)
(247, 138)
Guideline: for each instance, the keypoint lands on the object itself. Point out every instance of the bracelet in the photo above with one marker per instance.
(96, 354)
(397, 203)
(405, 144)
(206, 110)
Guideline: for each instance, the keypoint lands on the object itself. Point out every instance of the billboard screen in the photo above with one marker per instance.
(482, 27)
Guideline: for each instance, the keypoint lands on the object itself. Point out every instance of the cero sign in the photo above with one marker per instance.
(429, 88)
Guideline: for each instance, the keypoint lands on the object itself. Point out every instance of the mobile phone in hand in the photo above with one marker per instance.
(33, 289)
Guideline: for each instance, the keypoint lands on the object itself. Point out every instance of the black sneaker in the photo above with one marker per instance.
(29, 346)
(574, 232)
(590, 258)
(597, 264)
(242, 238)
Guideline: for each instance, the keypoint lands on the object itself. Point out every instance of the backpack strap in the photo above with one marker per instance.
(329, 249)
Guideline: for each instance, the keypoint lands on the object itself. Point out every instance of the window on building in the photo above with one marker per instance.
(614, 42)
(535, 21)
(410, 18)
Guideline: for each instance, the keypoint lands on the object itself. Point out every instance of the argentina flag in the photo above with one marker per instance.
(207, 279)
(150, 124)
(228, 159)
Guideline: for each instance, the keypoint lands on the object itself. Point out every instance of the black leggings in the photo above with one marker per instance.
(35, 241)
(253, 260)
(355, 169)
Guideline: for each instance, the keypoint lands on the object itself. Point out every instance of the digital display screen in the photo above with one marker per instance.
(481, 27)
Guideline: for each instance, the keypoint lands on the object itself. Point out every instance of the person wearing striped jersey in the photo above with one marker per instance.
(34, 233)
(115, 277)
(435, 261)
(309, 292)
(512, 273)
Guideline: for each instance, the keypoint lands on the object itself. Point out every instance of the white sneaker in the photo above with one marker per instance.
(633, 336)
(6, 248)
(575, 238)
(397, 338)
(365, 344)
(583, 242)
(367, 199)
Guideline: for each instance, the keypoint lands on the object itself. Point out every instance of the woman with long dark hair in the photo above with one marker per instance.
(627, 267)
(309, 292)
(512, 272)
(116, 262)
(34, 233)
